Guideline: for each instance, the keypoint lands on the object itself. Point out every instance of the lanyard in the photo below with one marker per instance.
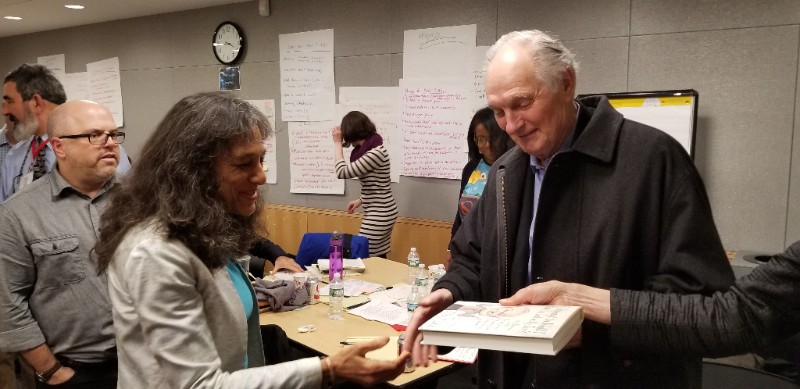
(36, 149)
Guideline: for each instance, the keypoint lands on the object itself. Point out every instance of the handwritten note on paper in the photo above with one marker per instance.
(435, 118)
(382, 312)
(381, 104)
(104, 86)
(76, 85)
(267, 107)
(438, 52)
(307, 82)
(311, 160)
(56, 64)
(478, 81)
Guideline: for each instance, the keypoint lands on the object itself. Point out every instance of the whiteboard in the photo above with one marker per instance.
(674, 112)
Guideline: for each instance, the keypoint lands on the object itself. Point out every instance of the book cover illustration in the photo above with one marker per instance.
(535, 321)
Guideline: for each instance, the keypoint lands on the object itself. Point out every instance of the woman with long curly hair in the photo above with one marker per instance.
(184, 312)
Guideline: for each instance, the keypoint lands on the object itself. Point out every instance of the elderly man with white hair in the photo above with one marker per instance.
(586, 196)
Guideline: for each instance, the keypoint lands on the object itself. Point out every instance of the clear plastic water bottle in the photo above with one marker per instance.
(421, 281)
(336, 294)
(412, 301)
(413, 265)
(335, 256)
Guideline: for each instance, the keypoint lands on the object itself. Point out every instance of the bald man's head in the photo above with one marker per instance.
(80, 132)
(70, 116)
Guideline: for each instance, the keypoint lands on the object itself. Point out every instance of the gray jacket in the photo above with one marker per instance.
(182, 325)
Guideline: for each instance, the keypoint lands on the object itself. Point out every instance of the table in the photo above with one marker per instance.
(325, 340)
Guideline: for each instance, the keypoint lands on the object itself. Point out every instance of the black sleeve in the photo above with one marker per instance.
(264, 248)
(759, 309)
(256, 266)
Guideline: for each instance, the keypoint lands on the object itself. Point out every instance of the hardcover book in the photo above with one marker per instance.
(532, 329)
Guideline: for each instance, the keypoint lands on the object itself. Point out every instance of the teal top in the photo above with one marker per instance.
(240, 283)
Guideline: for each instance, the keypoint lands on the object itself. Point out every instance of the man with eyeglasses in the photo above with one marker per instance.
(30, 94)
(56, 310)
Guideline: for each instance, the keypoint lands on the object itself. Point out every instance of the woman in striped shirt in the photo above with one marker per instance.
(369, 162)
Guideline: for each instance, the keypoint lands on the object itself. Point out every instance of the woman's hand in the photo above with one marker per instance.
(351, 365)
(353, 205)
(284, 262)
(337, 135)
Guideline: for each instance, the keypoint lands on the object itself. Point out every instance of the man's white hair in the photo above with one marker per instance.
(551, 58)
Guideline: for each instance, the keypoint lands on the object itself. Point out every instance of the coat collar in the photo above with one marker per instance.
(598, 128)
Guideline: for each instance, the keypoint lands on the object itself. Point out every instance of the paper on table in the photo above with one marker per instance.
(383, 312)
(353, 288)
(397, 295)
(461, 354)
(355, 264)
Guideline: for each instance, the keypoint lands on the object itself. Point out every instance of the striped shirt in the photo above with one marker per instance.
(380, 209)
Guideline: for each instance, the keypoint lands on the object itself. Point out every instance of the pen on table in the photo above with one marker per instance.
(351, 340)
(356, 305)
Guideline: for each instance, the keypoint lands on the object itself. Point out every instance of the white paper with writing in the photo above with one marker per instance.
(435, 118)
(396, 295)
(478, 82)
(104, 86)
(307, 80)
(56, 63)
(76, 85)
(311, 159)
(438, 52)
(267, 107)
(461, 354)
(382, 312)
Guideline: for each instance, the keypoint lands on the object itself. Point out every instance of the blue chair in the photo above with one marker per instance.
(316, 245)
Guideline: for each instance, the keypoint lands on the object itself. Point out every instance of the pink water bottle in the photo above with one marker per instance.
(335, 256)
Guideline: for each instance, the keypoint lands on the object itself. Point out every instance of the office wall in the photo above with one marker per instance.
(740, 55)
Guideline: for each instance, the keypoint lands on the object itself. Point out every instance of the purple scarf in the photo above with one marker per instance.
(370, 143)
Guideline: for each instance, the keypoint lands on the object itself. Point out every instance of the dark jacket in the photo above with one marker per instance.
(760, 309)
(262, 251)
(624, 208)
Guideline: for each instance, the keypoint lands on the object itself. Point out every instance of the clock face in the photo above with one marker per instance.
(228, 43)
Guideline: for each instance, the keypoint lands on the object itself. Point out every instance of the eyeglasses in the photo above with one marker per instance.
(481, 140)
(99, 138)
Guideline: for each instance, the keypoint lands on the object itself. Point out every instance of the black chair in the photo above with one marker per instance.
(721, 376)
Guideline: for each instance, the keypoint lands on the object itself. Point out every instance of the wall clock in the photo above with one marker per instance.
(228, 43)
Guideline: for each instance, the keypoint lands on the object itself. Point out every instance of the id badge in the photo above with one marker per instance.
(25, 181)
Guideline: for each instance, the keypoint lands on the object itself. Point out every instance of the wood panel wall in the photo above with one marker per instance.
(286, 225)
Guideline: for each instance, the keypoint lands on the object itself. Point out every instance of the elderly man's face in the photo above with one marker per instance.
(536, 117)
(91, 163)
(19, 112)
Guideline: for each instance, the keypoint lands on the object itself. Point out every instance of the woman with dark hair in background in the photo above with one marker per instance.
(486, 142)
(369, 162)
(184, 312)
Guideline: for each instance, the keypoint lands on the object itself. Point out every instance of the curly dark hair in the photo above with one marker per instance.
(32, 79)
(356, 126)
(499, 140)
(174, 184)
